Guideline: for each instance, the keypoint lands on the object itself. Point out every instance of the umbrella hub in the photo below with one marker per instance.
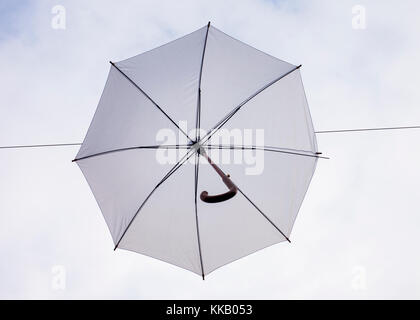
(197, 146)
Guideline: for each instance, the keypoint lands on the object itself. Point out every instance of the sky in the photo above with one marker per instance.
(356, 235)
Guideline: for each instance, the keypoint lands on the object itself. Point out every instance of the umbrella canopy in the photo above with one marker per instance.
(172, 122)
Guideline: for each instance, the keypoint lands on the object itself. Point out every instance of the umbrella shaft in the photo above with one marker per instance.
(218, 170)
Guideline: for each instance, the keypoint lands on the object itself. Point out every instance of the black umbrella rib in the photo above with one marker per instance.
(262, 213)
(197, 165)
(198, 114)
(222, 122)
(151, 100)
(132, 148)
(269, 149)
(170, 172)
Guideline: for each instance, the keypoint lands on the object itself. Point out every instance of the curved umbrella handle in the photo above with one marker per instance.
(204, 196)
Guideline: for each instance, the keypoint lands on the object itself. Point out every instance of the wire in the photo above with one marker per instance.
(40, 145)
(367, 129)
(317, 132)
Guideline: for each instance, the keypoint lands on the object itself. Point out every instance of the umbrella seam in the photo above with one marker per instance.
(265, 148)
(262, 213)
(198, 113)
(197, 164)
(132, 148)
(223, 121)
(170, 172)
(151, 100)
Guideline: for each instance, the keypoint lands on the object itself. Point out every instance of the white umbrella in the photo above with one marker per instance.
(213, 82)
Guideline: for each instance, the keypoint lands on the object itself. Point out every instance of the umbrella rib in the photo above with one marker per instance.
(198, 114)
(222, 122)
(262, 213)
(269, 149)
(197, 164)
(132, 148)
(151, 100)
(170, 172)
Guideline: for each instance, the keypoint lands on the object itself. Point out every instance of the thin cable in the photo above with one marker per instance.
(317, 132)
(40, 145)
(366, 129)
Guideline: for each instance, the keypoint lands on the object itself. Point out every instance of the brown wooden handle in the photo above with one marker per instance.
(204, 196)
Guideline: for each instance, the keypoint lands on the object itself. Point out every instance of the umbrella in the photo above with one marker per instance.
(205, 113)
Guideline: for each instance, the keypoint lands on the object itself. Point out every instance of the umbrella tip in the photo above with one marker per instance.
(203, 276)
(208, 24)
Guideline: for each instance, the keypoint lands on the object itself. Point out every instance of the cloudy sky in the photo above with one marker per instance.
(356, 235)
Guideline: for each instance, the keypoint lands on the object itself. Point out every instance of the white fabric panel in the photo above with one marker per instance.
(124, 118)
(280, 112)
(279, 186)
(169, 75)
(165, 228)
(233, 71)
(120, 181)
(232, 229)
